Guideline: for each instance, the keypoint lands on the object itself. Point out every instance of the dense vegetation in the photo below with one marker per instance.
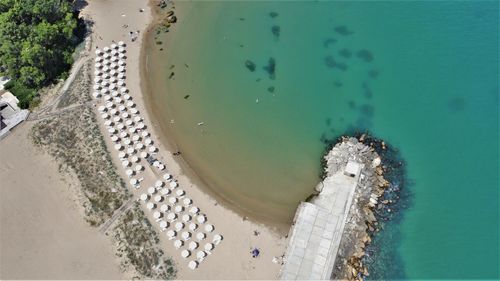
(37, 39)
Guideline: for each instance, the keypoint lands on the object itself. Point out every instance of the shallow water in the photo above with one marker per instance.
(421, 75)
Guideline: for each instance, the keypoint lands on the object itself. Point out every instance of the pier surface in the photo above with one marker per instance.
(318, 227)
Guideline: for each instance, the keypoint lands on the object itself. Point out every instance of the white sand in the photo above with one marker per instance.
(43, 233)
(232, 258)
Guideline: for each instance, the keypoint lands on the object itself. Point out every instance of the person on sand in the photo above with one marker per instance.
(255, 253)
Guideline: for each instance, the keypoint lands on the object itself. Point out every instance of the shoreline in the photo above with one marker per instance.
(161, 130)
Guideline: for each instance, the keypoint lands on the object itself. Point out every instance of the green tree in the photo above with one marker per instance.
(37, 39)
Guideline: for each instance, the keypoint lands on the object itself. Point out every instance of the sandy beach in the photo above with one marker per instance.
(113, 21)
(44, 235)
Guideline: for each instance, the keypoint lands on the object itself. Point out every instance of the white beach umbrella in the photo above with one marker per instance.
(130, 150)
(217, 238)
(127, 97)
(122, 154)
(167, 176)
(98, 59)
(187, 201)
(133, 181)
(121, 83)
(134, 111)
(98, 80)
(156, 163)
(144, 154)
(123, 134)
(141, 125)
(201, 219)
(104, 90)
(115, 138)
(113, 80)
(113, 72)
(150, 205)
(129, 122)
(171, 234)
(118, 100)
(107, 98)
(200, 236)
(193, 226)
(121, 62)
(122, 108)
(178, 209)
(151, 190)
(121, 69)
(105, 116)
(148, 141)
(97, 87)
(163, 224)
(193, 265)
(105, 61)
(178, 244)
(102, 108)
(193, 245)
(126, 141)
(186, 235)
(121, 43)
(113, 111)
(109, 105)
(115, 94)
(172, 200)
(164, 207)
(114, 46)
(125, 115)
(201, 254)
(107, 56)
(194, 210)
(159, 183)
(138, 168)
(171, 216)
(129, 172)
(136, 137)
(96, 95)
(112, 87)
(98, 52)
(186, 218)
(121, 50)
(130, 104)
(111, 130)
(118, 146)
(106, 49)
(179, 226)
(105, 75)
(173, 184)
(97, 65)
(180, 192)
(185, 253)
(156, 215)
(209, 228)
(122, 56)
(137, 119)
(117, 119)
(158, 198)
(139, 146)
(165, 191)
(134, 159)
(144, 197)
(97, 73)
(106, 69)
(125, 163)
(120, 126)
(132, 130)
(114, 53)
(161, 167)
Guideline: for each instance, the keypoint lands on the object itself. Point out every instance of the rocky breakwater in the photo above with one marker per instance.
(361, 224)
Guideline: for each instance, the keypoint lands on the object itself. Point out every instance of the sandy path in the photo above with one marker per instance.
(43, 234)
(231, 259)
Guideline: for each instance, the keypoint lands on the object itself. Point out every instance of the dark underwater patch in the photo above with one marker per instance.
(367, 92)
(276, 31)
(332, 63)
(345, 53)
(343, 30)
(337, 84)
(367, 110)
(352, 104)
(271, 89)
(328, 42)
(365, 55)
(271, 68)
(250, 65)
(273, 14)
(373, 73)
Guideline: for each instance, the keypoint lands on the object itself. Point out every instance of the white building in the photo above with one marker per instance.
(10, 114)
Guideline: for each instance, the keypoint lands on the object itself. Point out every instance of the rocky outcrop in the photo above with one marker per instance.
(362, 222)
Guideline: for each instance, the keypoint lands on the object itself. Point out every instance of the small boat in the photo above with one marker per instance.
(200, 123)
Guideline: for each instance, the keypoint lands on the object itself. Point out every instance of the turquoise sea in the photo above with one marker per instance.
(422, 75)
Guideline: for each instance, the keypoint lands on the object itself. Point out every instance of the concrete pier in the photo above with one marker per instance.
(318, 227)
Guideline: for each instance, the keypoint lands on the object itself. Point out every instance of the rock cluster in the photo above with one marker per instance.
(361, 222)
